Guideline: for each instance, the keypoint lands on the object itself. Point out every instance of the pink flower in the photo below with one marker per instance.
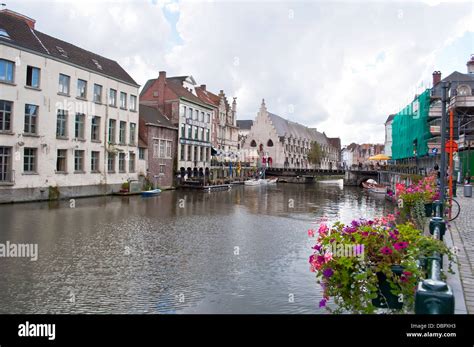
(400, 245)
(310, 232)
(323, 228)
(386, 250)
(327, 257)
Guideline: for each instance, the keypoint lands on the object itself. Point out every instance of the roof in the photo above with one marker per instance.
(287, 128)
(152, 115)
(176, 85)
(208, 97)
(390, 118)
(20, 35)
(245, 124)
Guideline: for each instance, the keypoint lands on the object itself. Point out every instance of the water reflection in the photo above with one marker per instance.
(239, 251)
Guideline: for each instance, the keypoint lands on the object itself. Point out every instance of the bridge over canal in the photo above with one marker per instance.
(302, 175)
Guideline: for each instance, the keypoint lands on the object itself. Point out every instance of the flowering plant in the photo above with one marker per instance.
(424, 190)
(349, 260)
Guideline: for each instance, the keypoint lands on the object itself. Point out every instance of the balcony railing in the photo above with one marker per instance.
(462, 101)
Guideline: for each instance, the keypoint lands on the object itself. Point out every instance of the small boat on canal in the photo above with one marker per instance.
(152, 192)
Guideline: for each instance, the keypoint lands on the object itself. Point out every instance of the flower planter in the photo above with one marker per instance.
(429, 209)
(385, 298)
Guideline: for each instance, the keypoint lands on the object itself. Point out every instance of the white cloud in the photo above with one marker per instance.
(342, 66)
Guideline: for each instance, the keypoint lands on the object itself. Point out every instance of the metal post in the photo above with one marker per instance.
(444, 87)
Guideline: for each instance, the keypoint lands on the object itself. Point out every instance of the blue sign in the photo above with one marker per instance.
(434, 150)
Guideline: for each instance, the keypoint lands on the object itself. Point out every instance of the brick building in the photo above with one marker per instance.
(176, 99)
(160, 137)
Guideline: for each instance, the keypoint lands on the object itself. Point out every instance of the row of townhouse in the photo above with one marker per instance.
(68, 117)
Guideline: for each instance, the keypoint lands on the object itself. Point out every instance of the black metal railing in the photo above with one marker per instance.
(433, 295)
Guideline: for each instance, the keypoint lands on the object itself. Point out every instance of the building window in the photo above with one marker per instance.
(183, 130)
(182, 152)
(78, 160)
(121, 162)
(95, 161)
(95, 128)
(190, 131)
(123, 100)
(202, 154)
(162, 168)
(111, 162)
(29, 160)
(7, 70)
(141, 153)
(133, 102)
(61, 123)
(202, 117)
(195, 153)
(5, 165)
(196, 133)
(168, 149)
(112, 130)
(207, 135)
(208, 118)
(122, 131)
(97, 93)
(5, 115)
(31, 115)
(253, 143)
(190, 113)
(190, 150)
(79, 126)
(64, 81)
(32, 77)
(113, 97)
(81, 89)
(269, 143)
(202, 134)
(196, 114)
(61, 160)
(162, 148)
(184, 111)
(131, 162)
(133, 132)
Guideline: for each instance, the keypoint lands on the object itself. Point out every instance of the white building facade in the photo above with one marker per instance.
(388, 135)
(69, 120)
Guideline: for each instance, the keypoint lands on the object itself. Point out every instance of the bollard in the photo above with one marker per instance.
(438, 208)
(440, 223)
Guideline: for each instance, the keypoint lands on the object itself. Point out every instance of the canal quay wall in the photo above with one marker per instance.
(55, 193)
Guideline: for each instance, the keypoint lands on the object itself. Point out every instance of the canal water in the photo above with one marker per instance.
(239, 251)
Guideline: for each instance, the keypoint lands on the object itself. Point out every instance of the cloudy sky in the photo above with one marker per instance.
(342, 67)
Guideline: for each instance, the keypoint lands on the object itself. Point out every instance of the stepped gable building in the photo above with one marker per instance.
(224, 130)
(283, 143)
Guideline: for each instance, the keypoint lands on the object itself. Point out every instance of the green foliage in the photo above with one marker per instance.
(353, 281)
(315, 155)
(53, 193)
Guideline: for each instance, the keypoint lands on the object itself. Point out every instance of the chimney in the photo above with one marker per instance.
(470, 65)
(29, 21)
(162, 74)
(436, 77)
(203, 86)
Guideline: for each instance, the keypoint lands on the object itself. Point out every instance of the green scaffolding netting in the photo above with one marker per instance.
(410, 129)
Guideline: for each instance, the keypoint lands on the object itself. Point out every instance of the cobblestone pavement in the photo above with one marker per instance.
(462, 232)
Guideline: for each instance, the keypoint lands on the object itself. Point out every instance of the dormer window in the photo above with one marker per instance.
(62, 51)
(96, 62)
(463, 90)
(3, 33)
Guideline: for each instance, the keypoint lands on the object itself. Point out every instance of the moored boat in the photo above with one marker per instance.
(252, 182)
(151, 192)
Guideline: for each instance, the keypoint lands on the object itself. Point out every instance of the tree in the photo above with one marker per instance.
(315, 155)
